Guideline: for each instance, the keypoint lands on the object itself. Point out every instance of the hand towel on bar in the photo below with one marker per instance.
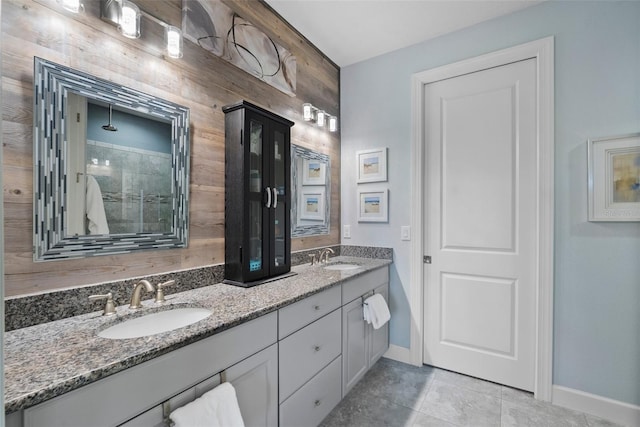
(95, 208)
(377, 311)
(216, 408)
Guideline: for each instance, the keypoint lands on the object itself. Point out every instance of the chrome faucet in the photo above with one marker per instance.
(137, 290)
(325, 253)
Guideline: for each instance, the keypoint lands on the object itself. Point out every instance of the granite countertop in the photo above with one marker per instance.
(50, 359)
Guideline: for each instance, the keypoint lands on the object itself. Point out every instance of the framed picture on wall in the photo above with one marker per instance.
(312, 204)
(313, 172)
(614, 178)
(372, 165)
(373, 206)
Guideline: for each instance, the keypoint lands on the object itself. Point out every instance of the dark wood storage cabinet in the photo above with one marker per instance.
(257, 195)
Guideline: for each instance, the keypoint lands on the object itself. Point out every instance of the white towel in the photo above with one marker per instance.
(216, 408)
(376, 311)
(95, 208)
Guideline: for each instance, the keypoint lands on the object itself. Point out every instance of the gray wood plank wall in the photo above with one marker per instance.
(199, 80)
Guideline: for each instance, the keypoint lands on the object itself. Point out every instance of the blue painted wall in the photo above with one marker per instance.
(133, 131)
(597, 265)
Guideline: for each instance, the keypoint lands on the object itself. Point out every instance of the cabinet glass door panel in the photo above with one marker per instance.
(255, 235)
(256, 171)
(279, 162)
(280, 249)
(257, 194)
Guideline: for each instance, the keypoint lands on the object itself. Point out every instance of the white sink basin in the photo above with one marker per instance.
(155, 323)
(341, 267)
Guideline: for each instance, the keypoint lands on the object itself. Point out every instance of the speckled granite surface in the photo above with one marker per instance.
(367, 252)
(24, 311)
(47, 360)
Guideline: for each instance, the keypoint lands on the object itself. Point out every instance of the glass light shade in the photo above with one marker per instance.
(321, 117)
(333, 123)
(173, 37)
(307, 112)
(71, 5)
(129, 20)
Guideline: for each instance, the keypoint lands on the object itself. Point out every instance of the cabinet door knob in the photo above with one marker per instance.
(316, 348)
(316, 307)
(317, 402)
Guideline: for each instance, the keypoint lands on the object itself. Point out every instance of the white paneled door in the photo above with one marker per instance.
(481, 224)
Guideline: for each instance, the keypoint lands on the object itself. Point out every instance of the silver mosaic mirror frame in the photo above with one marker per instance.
(52, 83)
(310, 229)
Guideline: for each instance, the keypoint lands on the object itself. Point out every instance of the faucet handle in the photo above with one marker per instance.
(160, 290)
(314, 259)
(109, 307)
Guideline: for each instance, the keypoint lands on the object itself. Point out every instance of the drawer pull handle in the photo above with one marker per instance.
(317, 402)
(316, 307)
(316, 348)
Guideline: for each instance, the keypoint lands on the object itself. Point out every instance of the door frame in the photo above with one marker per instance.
(542, 50)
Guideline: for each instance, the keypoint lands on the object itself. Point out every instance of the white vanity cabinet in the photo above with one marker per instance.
(289, 368)
(362, 345)
(310, 358)
(121, 397)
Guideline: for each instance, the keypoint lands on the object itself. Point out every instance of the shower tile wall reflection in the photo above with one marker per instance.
(135, 186)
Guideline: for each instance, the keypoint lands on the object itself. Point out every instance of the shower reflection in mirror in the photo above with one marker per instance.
(121, 161)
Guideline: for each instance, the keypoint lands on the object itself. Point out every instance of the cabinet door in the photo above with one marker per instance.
(259, 199)
(256, 382)
(379, 342)
(280, 260)
(354, 345)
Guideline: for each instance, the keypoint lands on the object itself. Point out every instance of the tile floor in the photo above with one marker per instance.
(397, 394)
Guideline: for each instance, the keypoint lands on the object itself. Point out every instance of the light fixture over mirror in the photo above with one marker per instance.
(126, 16)
(319, 116)
(129, 20)
(173, 39)
(138, 177)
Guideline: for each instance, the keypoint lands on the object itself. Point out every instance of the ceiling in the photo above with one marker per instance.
(350, 31)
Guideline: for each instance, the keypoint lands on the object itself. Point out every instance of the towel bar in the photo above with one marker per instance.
(166, 412)
(367, 295)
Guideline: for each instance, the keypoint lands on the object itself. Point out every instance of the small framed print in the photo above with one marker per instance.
(372, 165)
(312, 204)
(373, 206)
(313, 172)
(614, 178)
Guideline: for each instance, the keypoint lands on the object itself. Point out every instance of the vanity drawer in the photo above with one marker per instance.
(313, 402)
(305, 353)
(355, 288)
(300, 314)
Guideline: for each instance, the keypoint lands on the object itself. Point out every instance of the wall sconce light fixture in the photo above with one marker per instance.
(129, 23)
(72, 5)
(307, 112)
(173, 38)
(321, 118)
(126, 16)
(333, 123)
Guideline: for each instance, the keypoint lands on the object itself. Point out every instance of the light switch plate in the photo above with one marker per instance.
(405, 232)
(346, 231)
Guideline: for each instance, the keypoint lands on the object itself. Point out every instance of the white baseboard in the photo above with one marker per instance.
(602, 407)
(401, 354)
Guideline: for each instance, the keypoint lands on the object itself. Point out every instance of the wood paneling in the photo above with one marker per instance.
(199, 80)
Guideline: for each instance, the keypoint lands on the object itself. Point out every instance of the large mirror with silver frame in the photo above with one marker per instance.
(311, 192)
(111, 167)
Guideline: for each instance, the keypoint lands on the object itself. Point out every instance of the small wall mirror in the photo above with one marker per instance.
(311, 192)
(111, 167)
